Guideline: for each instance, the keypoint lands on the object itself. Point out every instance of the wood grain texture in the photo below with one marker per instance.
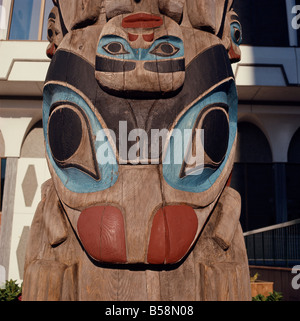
(114, 8)
(44, 280)
(202, 14)
(76, 14)
(171, 8)
(55, 222)
(207, 273)
(229, 209)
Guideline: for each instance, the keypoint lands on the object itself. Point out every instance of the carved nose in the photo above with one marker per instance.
(173, 232)
(102, 233)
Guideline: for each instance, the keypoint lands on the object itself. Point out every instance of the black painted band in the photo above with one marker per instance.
(112, 65)
(167, 66)
(205, 71)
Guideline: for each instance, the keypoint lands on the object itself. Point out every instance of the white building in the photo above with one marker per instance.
(23, 66)
(267, 172)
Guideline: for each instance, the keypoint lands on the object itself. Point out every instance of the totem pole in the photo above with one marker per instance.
(140, 125)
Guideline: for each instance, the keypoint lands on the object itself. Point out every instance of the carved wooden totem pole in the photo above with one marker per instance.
(140, 124)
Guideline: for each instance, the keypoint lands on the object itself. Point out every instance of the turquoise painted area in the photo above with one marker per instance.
(225, 94)
(140, 54)
(236, 26)
(80, 182)
(74, 179)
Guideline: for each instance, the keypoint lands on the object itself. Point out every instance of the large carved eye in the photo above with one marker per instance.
(165, 49)
(70, 139)
(216, 130)
(115, 48)
(65, 132)
(236, 33)
(214, 122)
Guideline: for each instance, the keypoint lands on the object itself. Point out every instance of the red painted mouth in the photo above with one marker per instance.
(142, 20)
(174, 229)
(102, 233)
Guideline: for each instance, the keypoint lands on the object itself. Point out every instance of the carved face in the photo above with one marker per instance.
(140, 111)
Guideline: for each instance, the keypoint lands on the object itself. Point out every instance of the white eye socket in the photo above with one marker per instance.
(165, 49)
(115, 48)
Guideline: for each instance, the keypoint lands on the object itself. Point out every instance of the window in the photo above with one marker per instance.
(293, 178)
(254, 178)
(4, 9)
(48, 8)
(28, 20)
(264, 22)
(2, 15)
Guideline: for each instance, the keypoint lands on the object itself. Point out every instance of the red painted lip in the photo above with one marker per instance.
(173, 232)
(102, 232)
(142, 20)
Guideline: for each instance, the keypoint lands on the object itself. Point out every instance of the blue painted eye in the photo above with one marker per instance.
(165, 49)
(214, 114)
(68, 113)
(236, 33)
(115, 48)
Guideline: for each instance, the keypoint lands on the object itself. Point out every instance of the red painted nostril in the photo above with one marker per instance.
(132, 37)
(148, 37)
(173, 232)
(102, 233)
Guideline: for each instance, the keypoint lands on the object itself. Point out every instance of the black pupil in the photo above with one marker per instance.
(237, 34)
(65, 133)
(50, 33)
(114, 47)
(216, 135)
(166, 48)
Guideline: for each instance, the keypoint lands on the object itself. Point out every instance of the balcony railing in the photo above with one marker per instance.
(277, 245)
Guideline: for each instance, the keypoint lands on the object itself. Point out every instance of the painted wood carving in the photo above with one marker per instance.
(140, 124)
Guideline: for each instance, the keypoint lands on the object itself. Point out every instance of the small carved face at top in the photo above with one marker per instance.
(145, 52)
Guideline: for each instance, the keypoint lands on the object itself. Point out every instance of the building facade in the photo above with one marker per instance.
(23, 66)
(267, 168)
